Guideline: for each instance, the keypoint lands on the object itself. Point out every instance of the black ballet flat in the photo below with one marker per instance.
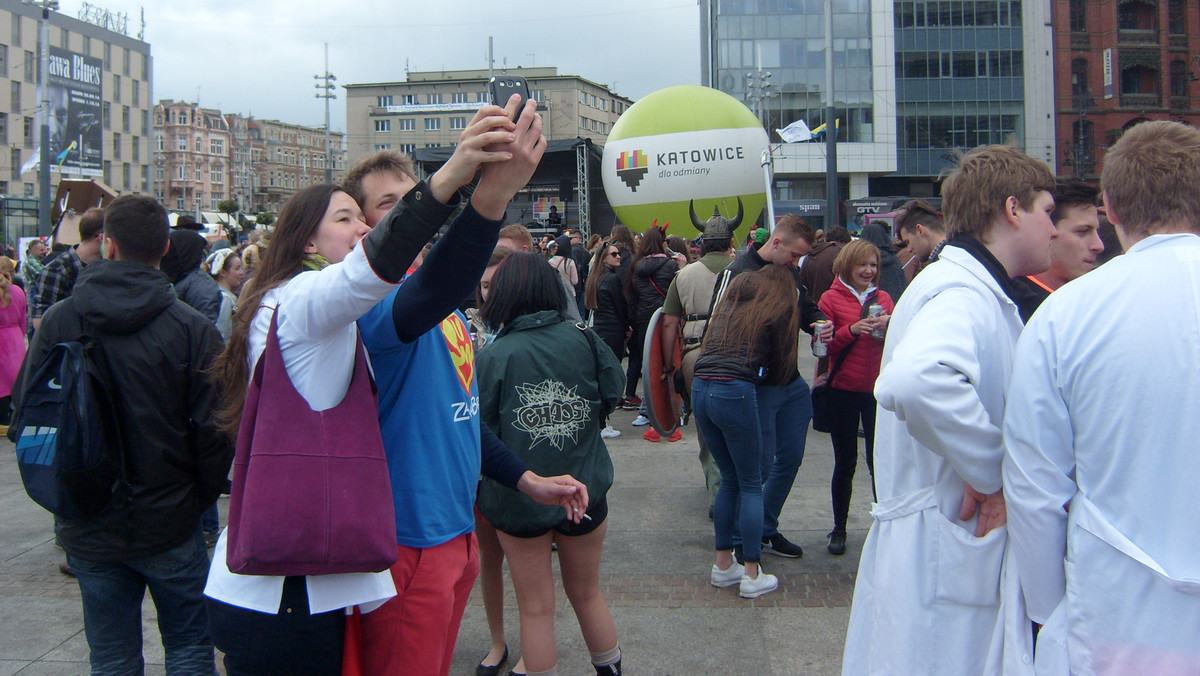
(494, 670)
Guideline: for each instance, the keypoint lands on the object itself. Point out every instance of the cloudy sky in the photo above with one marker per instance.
(259, 56)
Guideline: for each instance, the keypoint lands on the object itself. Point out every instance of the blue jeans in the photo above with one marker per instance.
(112, 610)
(727, 416)
(783, 415)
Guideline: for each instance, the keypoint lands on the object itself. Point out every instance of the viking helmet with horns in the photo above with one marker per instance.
(716, 227)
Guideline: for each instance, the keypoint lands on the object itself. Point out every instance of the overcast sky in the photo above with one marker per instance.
(259, 56)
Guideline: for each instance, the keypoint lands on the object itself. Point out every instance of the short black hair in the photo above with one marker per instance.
(838, 234)
(714, 244)
(139, 225)
(1070, 192)
(523, 284)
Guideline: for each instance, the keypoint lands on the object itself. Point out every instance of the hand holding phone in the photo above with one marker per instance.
(504, 86)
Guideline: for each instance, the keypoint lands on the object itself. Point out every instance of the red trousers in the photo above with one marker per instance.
(414, 632)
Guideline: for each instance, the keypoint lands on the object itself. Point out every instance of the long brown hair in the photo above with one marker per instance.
(294, 229)
(759, 302)
(652, 243)
(6, 277)
(597, 271)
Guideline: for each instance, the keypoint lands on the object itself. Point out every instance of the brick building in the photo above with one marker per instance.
(1117, 63)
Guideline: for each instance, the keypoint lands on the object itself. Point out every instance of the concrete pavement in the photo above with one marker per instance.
(655, 578)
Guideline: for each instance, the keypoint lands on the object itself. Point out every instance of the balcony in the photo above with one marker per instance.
(1129, 36)
(1141, 100)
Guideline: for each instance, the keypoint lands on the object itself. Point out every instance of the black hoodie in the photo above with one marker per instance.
(157, 349)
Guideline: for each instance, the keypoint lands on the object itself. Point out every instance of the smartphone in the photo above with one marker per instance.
(504, 86)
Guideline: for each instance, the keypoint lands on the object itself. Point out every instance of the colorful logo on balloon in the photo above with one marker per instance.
(631, 167)
(684, 146)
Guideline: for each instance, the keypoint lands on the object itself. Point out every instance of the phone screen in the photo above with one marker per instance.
(504, 86)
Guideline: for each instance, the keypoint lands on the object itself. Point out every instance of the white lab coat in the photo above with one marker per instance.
(928, 595)
(1104, 414)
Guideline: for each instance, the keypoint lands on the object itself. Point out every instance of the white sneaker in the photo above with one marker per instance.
(728, 577)
(641, 420)
(609, 433)
(752, 588)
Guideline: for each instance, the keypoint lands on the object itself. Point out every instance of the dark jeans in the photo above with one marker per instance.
(290, 642)
(633, 371)
(727, 415)
(783, 415)
(846, 409)
(112, 610)
(210, 520)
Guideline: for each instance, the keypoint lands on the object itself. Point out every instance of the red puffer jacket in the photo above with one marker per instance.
(861, 367)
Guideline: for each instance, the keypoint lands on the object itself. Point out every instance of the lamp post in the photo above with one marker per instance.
(43, 113)
(1083, 101)
(325, 91)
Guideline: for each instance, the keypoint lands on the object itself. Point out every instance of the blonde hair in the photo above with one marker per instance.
(1151, 175)
(974, 192)
(852, 255)
(7, 268)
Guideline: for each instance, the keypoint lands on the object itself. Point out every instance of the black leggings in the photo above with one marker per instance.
(637, 342)
(846, 408)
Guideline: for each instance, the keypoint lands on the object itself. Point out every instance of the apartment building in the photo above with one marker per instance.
(100, 91)
(430, 109)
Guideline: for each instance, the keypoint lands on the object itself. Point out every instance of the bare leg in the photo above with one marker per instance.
(491, 577)
(579, 559)
(529, 565)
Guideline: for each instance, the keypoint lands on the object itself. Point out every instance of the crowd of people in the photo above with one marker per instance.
(1018, 522)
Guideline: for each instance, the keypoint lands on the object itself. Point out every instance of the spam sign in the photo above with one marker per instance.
(681, 144)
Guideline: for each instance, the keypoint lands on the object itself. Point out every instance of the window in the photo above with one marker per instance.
(408, 99)
(1139, 79)
(4, 54)
(29, 132)
(1179, 78)
(408, 148)
(15, 96)
(1137, 15)
(407, 124)
(3, 128)
(433, 145)
(382, 146)
(135, 149)
(183, 117)
(31, 63)
(125, 118)
(1176, 17)
(199, 174)
(134, 88)
(127, 174)
(458, 97)
(116, 87)
(64, 38)
(433, 123)
(458, 123)
(14, 157)
(482, 97)
(582, 99)
(435, 98)
(1079, 76)
(198, 146)
(159, 142)
(179, 204)
(216, 146)
(384, 101)
(16, 29)
(145, 67)
(117, 145)
(87, 45)
(181, 143)
(108, 56)
(383, 125)
(538, 95)
(217, 174)
(125, 65)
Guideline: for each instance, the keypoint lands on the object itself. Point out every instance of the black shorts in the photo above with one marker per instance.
(598, 511)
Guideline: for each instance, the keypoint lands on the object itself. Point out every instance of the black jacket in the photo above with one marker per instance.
(651, 279)
(610, 319)
(158, 351)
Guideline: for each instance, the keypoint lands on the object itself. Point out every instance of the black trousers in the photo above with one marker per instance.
(847, 409)
(633, 371)
(289, 642)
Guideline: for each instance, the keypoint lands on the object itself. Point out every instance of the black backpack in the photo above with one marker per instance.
(68, 445)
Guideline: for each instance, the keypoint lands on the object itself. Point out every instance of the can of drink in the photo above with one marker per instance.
(820, 349)
(874, 311)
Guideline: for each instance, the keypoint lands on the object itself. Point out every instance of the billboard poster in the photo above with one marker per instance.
(76, 136)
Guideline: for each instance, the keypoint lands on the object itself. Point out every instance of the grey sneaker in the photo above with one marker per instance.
(752, 588)
(728, 577)
(640, 421)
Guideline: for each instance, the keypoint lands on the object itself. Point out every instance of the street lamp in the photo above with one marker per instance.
(43, 113)
(326, 91)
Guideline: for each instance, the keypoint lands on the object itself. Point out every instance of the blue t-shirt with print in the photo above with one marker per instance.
(429, 416)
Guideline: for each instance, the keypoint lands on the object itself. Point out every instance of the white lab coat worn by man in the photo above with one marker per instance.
(1104, 420)
(928, 595)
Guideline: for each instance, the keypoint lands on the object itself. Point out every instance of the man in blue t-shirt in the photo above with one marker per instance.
(423, 361)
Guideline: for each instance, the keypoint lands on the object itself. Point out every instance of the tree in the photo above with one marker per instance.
(264, 218)
(229, 206)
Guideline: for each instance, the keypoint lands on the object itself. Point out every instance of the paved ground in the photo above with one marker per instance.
(655, 577)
